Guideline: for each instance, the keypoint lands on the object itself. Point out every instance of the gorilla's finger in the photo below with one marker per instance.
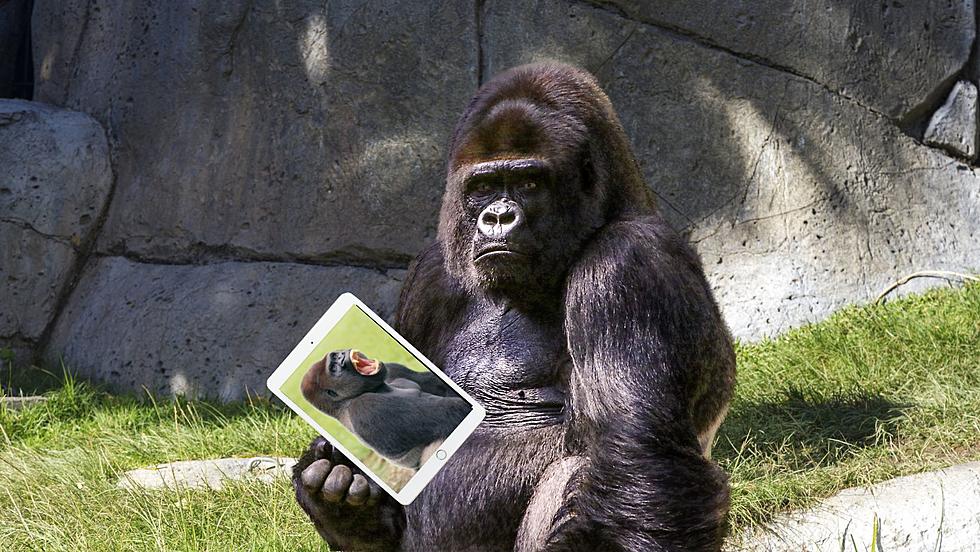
(359, 491)
(337, 483)
(321, 448)
(374, 493)
(314, 474)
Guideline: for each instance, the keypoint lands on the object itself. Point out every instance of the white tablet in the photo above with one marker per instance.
(376, 398)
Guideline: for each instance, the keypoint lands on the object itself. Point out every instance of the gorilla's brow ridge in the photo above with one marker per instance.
(527, 165)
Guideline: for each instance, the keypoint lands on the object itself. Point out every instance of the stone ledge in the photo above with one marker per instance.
(207, 474)
(937, 510)
(20, 403)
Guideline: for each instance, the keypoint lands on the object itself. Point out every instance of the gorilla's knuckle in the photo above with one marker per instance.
(339, 479)
(315, 473)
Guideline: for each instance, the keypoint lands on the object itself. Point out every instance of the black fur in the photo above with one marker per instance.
(594, 343)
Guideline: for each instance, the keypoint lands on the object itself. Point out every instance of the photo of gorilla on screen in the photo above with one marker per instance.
(401, 414)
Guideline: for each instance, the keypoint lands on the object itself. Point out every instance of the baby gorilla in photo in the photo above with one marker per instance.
(402, 414)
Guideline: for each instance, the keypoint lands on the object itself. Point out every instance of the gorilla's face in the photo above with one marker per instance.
(522, 223)
(341, 376)
(509, 210)
(521, 198)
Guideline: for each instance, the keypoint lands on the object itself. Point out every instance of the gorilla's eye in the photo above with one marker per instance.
(529, 185)
(481, 185)
(331, 392)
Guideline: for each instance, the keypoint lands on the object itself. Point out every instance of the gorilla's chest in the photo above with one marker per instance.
(514, 365)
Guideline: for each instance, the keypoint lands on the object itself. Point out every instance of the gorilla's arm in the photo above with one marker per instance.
(428, 314)
(393, 424)
(427, 381)
(644, 335)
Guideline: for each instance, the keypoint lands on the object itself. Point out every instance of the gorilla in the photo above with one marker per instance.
(557, 295)
(384, 404)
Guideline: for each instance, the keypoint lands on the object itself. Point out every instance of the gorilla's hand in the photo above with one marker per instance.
(350, 511)
(338, 484)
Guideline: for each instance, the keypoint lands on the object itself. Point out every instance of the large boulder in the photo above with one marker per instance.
(297, 151)
(954, 125)
(55, 182)
(214, 330)
(253, 144)
(265, 130)
(799, 201)
(894, 57)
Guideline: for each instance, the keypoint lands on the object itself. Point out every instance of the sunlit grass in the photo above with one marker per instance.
(59, 463)
(872, 393)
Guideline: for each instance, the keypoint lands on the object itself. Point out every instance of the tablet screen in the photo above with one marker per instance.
(375, 397)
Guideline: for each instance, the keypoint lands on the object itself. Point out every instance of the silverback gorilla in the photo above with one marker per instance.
(403, 415)
(560, 299)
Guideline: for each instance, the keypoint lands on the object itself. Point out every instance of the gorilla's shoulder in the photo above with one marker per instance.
(430, 302)
(646, 241)
(427, 276)
(429, 260)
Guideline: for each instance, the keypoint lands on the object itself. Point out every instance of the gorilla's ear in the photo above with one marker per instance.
(597, 175)
(587, 171)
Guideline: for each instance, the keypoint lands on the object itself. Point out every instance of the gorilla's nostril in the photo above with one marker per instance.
(500, 218)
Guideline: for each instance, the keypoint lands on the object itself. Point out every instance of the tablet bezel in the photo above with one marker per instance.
(317, 333)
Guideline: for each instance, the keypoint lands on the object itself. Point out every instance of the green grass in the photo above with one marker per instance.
(872, 393)
(59, 463)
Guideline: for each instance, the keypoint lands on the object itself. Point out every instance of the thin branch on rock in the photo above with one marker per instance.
(943, 274)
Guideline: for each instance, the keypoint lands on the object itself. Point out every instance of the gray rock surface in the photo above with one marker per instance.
(211, 330)
(268, 130)
(19, 403)
(891, 56)
(798, 200)
(954, 125)
(56, 169)
(927, 511)
(253, 143)
(207, 474)
(34, 268)
(54, 183)
(16, 356)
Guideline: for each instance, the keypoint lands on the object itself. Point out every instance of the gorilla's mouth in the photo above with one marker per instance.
(364, 365)
(495, 250)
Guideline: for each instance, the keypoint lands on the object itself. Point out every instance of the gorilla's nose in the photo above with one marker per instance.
(499, 218)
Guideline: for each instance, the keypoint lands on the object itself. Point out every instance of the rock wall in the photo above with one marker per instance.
(54, 185)
(788, 140)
